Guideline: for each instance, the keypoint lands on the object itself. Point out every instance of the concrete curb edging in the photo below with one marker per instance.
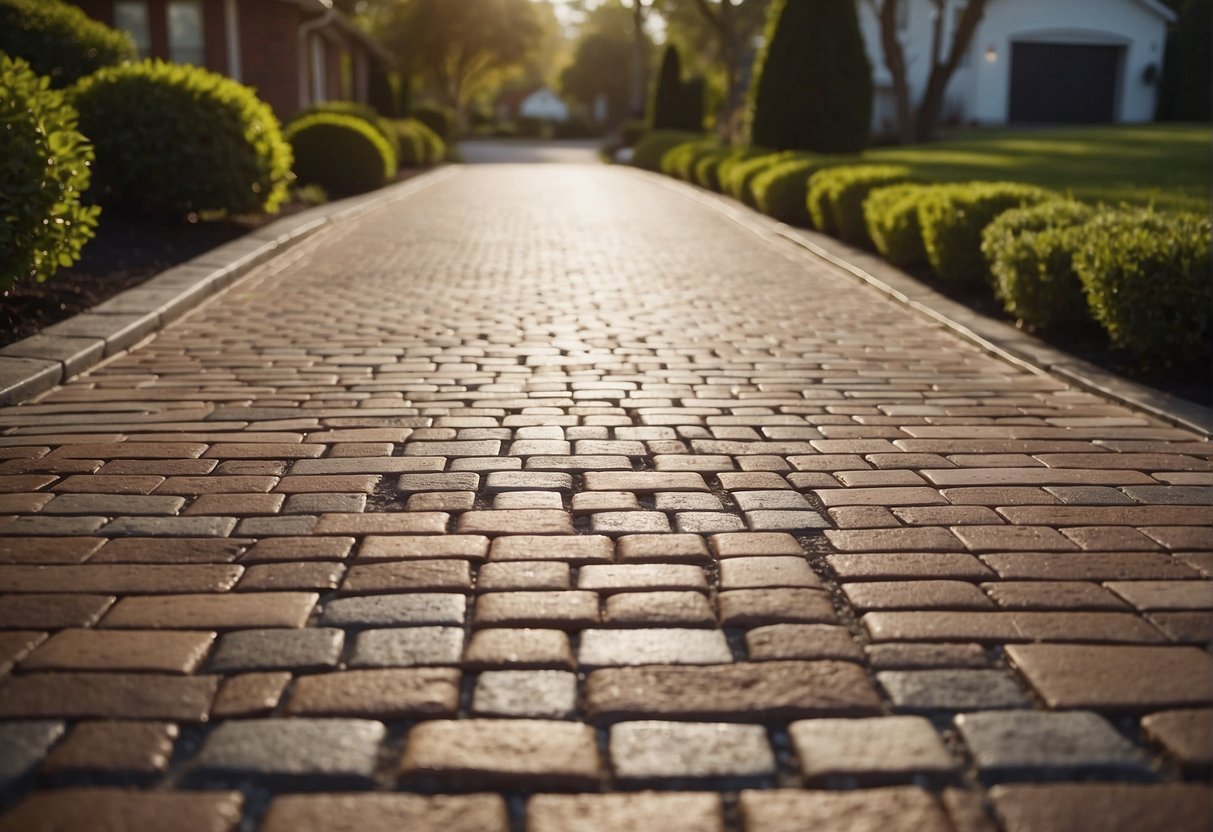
(40, 362)
(996, 337)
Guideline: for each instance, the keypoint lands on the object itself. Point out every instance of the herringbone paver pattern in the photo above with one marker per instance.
(549, 500)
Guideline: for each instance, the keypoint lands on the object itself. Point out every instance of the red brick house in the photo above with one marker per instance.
(295, 52)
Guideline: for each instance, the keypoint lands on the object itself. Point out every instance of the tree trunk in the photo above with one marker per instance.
(930, 108)
(639, 59)
(895, 60)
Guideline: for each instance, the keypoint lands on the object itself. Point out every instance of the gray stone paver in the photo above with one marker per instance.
(518, 469)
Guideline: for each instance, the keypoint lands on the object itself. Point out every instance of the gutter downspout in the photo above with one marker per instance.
(306, 29)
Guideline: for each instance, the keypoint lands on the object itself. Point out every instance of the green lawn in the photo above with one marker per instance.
(1164, 164)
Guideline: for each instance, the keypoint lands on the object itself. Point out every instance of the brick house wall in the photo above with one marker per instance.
(270, 59)
(269, 53)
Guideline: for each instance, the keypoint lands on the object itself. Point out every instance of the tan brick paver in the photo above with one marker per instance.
(553, 480)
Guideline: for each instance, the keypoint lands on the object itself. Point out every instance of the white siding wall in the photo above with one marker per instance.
(980, 90)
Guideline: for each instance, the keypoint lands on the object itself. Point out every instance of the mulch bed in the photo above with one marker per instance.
(126, 252)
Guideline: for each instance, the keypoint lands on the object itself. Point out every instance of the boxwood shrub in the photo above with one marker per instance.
(839, 193)
(43, 172)
(740, 179)
(891, 217)
(365, 112)
(707, 168)
(741, 154)
(342, 154)
(1147, 279)
(174, 139)
(952, 219)
(680, 161)
(1030, 253)
(418, 145)
(780, 190)
(59, 40)
(438, 119)
(648, 152)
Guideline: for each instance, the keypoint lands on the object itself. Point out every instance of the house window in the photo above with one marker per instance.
(319, 70)
(185, 33)
(130, 16)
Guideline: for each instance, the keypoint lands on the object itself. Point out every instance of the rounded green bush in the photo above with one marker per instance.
(342, 154)
(779, 191)
(435, 146)
(707, 168)
(175, 139)
(737, 157)
(1147, 280)
(952, 219)
(680, 161)
(1030, 252)
(841, 192)
(59, 40)
(418, 145)
(632, 131)
(365, 112)
(817, 203)
(438, 119)
(43, 172)
(653, 146)
(740, 181)
(891, 217)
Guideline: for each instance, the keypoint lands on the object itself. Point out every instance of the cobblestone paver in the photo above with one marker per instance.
(547, 500)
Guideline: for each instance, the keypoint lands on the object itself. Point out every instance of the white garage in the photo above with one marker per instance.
(1034, 61)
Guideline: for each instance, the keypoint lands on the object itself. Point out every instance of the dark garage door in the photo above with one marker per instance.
(1053, 83)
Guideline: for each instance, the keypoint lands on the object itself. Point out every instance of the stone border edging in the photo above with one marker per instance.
(996, 337)
(38, 363)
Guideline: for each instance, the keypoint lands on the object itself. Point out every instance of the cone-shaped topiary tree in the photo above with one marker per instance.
(694, 94)
(667, 94)
(813, 83)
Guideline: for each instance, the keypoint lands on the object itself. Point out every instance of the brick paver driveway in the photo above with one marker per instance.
(549, 499)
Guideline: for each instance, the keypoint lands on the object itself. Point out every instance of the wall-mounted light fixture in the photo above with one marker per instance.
(991, 55)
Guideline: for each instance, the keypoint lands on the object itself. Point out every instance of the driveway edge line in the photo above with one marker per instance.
(39, 363)
(995, 337)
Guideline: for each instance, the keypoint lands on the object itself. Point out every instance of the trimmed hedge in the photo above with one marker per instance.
(44, 171)
(439, 119)
(742, 154)
(675, 104)
(812, 88)
(891, 217)
(739, 180)
(707, 168)
(365, 112)
(779, 191)
(173, 139)
(1146, 278)
(342, 154)
(632, 131)
(59, 40)
(648, 152)
(419, 145)
(680, 161)
(952, 219)
(838, 194)
(1030, 252)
